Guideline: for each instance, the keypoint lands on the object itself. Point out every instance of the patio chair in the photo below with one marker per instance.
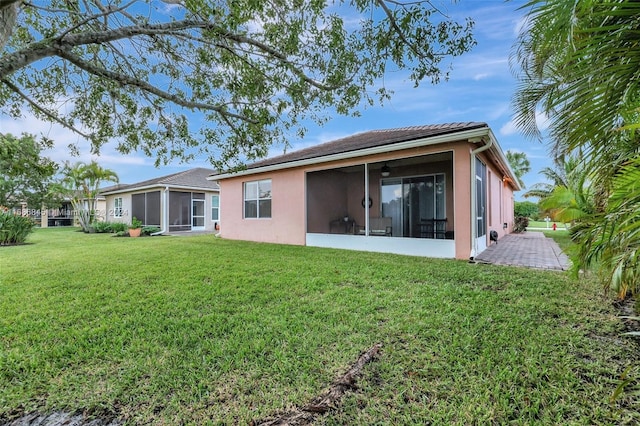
(380, 226)
(434, 228)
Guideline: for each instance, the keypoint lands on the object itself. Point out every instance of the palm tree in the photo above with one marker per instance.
(568, 196)
(556, 176)
(580, 66)
(519, 164)
(611, 240)
(81, 183)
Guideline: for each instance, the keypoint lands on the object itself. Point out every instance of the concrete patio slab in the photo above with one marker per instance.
(528, 249)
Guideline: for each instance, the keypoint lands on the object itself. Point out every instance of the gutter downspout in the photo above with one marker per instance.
(165, 222)
(366, 199)
(474, 195)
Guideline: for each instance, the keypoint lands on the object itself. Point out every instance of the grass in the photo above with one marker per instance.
(200, 330)
(562, 237)
(543, 224)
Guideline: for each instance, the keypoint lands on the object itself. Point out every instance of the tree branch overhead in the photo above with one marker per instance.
(243, 73)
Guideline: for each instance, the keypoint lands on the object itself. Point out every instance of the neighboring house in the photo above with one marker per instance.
(184, 201)
(433, 191)
(59, 216)
(63, 215)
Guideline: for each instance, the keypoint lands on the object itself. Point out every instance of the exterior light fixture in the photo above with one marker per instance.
(385, 171)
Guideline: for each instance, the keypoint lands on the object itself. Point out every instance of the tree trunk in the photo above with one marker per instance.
(8, 16)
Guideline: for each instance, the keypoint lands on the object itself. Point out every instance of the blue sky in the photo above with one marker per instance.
(480, 88)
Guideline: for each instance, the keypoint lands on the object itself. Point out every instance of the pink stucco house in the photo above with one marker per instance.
(434, 191)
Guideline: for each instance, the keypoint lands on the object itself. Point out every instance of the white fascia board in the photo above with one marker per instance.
(432, 140)
(191, 188)
(125, 190)
(160, 186)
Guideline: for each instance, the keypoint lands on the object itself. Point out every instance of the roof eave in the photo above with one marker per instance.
(160, 186)
(398, 146)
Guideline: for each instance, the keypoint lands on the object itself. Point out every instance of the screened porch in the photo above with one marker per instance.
(399, 206)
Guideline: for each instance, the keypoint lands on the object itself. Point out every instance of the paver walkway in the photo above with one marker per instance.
(529, 249)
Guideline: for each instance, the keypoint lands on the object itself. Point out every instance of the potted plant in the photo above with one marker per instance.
(135, 227)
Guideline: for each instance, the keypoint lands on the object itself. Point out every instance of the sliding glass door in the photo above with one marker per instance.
(391, 196)
(416, 205)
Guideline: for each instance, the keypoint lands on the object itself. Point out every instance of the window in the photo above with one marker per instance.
(215, 207)
(117, 207)
(257, 199)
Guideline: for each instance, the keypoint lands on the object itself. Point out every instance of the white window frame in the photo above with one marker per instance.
(215, 210)
(117, 209)
(257, 199)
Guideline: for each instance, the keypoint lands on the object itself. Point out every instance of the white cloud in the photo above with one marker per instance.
(171, 6)
(121, 159)
(62, 138)
(481, 76)
(480, 67)
(542, 121)
(498, 110)
(509, 128)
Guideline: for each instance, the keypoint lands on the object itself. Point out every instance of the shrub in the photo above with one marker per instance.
(118, 227)
(526, 208)
(102, 227)
(520, 224)
(148, 230)
(135, 223)
(14, 229)
(108, 227)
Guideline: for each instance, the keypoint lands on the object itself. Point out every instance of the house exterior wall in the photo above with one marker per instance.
(508, 201)
(101, 210)
(494, 200)
(462, 198)
(500, 201)
(127, 206)
(287, 223)
(290, 203)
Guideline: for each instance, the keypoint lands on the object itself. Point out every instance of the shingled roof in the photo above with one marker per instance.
(193, 178)
(369, 139)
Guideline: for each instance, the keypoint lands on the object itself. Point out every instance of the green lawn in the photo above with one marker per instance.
(543, 224)
(168, 330)
(563, 238)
